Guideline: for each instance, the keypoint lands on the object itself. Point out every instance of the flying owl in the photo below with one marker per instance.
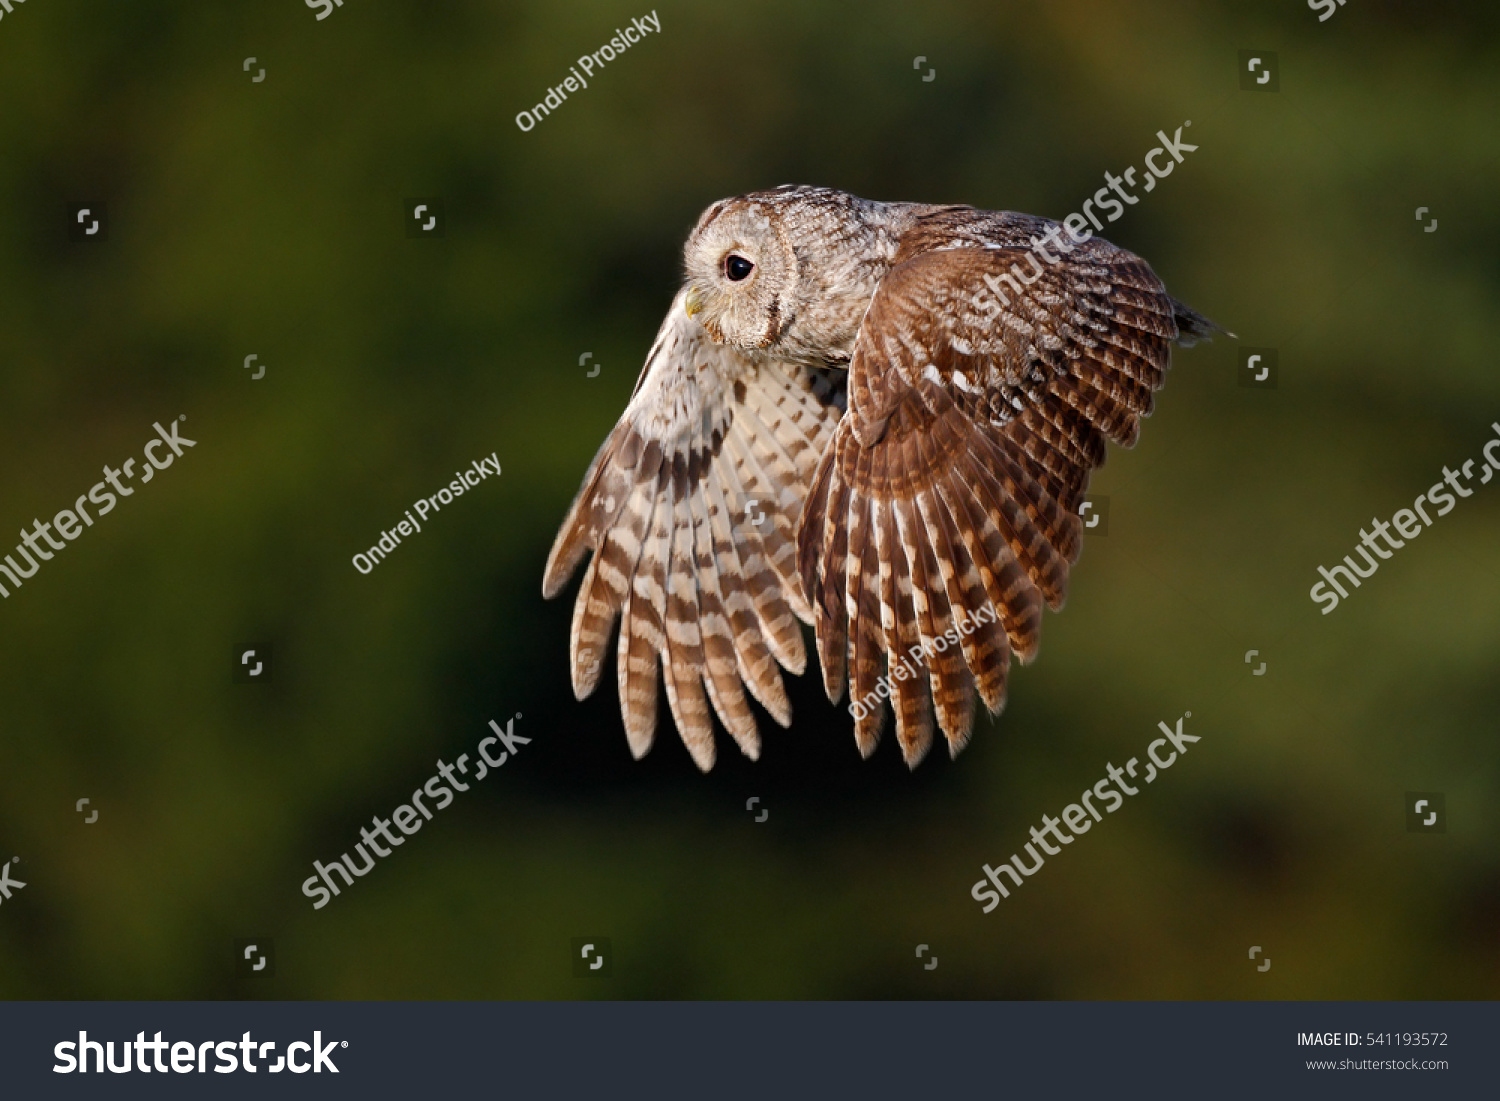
(877, 418)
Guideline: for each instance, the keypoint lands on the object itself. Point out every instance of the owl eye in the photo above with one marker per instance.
(737, 267)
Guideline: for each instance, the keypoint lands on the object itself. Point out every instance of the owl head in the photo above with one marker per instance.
(742, 274)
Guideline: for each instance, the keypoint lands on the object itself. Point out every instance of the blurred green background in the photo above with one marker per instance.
(266, 218)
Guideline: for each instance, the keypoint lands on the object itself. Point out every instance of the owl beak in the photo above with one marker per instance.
(694, 302)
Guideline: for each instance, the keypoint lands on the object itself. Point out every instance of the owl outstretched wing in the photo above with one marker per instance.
(691, 509)
(983, 385)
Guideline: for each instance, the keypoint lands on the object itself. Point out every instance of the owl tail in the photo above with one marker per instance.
(1192, 326)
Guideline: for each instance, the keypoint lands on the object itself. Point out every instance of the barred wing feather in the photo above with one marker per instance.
(690, 509)
(983, 386)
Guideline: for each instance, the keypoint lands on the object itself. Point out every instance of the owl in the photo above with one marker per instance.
(875, 418)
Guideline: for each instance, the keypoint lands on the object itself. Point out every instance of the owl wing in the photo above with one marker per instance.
(982, 389)
(690, 508)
